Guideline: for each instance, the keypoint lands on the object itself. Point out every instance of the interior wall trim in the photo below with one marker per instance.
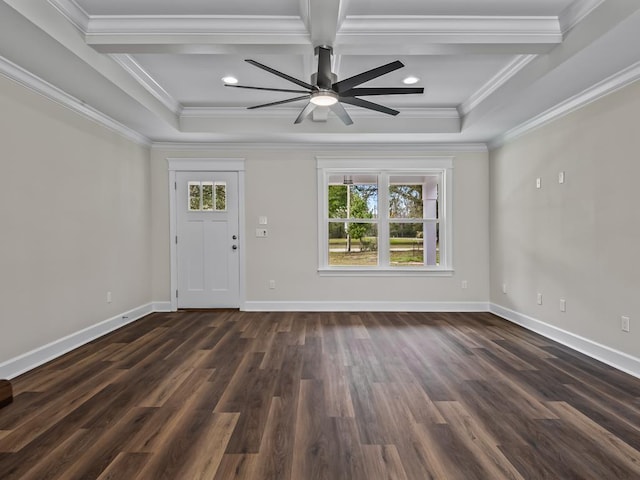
(619, 360)
(423, 147)
(602, 353)
(38, 356)
(36, 84)
(364, 306)
(609, 85)
(161, 306)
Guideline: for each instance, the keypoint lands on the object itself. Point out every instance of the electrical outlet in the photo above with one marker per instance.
(108, 297)
(262, 220)
(504, 288)
(563, 305)
(625, 323)
(538, 182)
(272, 284)
(464, 284)
(539, 299)
(561, 177)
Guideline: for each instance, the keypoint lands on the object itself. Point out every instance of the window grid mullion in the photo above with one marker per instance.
(383, 215)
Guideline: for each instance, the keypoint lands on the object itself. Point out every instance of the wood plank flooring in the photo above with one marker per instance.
(6, 393)
(227, 395)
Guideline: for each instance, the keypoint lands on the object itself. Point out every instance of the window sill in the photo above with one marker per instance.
(383, 272)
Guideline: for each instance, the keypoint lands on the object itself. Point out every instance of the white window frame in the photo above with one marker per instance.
(384, 168)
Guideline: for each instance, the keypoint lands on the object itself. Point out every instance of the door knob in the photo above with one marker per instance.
(235, 247)
(235, 237)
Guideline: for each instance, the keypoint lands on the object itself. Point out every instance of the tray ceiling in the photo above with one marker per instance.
(486, 66)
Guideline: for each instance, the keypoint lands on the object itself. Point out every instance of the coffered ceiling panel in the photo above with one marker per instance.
(190, 7)
(458, 7)
(486, 66)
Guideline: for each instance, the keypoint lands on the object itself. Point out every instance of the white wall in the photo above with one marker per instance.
(74, 222)
(580, 240)
(282, 185)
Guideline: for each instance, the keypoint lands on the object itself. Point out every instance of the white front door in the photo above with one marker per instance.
(208, 264)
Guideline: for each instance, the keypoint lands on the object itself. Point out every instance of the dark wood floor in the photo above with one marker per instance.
(301, 396)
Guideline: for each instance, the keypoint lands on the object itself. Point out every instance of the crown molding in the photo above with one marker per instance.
(423, 147)
(457, 28)
(229, 34)
(499, 79)
(214, 25)
(36, 84)
(287, 112)
(576, 12)
(609, 85)
(73, 12)
(143, 78)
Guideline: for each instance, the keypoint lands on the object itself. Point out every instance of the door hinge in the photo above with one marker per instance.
(176, 239)
(175, 185)
(176, 293)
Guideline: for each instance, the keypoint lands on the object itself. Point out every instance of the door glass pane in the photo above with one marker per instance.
(406, 244)
(194, 196)
(353, 244)
(353, 196)
(221, 195)
(207, 196)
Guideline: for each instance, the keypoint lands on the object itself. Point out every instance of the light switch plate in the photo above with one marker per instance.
(261, 232)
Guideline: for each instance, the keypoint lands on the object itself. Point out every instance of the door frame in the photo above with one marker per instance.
(204, 164)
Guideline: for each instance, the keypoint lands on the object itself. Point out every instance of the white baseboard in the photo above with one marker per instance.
(620, 360)
(27, 361)
(161, 306)
(365, 306)
(608, 355)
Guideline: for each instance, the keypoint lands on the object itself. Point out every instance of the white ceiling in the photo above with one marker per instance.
(156, 66)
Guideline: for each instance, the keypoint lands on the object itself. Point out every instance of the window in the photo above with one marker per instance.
(207, 196)
(391, 216)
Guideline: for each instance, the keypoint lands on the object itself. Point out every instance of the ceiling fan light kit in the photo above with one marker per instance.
(324, 98)
(327, 92)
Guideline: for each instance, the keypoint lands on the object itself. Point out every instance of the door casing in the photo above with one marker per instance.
(204, 165)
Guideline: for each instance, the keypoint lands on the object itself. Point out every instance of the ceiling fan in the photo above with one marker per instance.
(327, 92)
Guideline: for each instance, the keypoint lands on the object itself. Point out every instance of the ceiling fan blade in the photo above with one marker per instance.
(280, 74)
(268, 89)
(324, 68)
(349, 83)
(339, 110)
(289, 100)
(355, 92)
(310, 107)
(359, 102)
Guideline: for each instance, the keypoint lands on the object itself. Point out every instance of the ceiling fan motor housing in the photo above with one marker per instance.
(314, 78)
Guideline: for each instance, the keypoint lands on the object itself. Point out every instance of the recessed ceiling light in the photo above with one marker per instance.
(230, 80)
(410, 80)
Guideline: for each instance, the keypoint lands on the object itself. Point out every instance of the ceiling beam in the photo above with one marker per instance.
(45, 16)
(323, 21)
(323, 25)
(586, 50)
(446, 35)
